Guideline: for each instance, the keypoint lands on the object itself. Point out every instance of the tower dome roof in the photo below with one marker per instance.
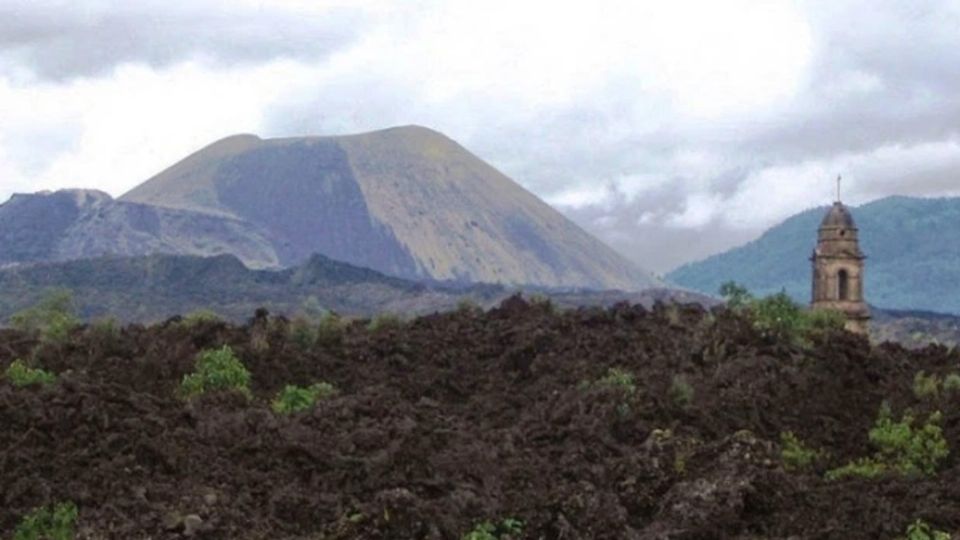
(838, 216)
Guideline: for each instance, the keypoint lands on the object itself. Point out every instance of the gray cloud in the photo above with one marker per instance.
(61, 40)
(877, 102)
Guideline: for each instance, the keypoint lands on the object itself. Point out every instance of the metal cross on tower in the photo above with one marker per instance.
(839, 178)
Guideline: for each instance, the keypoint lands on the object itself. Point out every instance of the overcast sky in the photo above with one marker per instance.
(671, 129)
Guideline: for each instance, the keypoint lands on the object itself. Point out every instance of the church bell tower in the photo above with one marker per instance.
(838, 268)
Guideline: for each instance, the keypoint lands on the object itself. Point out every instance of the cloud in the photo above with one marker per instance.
(63, 39)
(671, 136)
(112, 134)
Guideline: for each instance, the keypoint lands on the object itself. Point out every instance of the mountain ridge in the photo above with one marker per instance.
(913, 258)
(152, 288)
(77, 223)
(408, 201)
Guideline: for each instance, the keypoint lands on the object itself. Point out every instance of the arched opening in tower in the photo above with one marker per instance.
(843, 285)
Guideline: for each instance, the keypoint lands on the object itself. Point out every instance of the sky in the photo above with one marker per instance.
(671, 130)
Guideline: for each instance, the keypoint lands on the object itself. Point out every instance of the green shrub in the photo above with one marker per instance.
(200, 316)
(302, 333)
(19, 374)
(925, 386)
(737, 296)
(215, 370)
(295, 398)
(330, 329)
(486, 530)
(951, 383)
(921, 530)
(681, 392)
(901, 448)
(861, 468)
(385, 321)
(822, 321)
(909, 449)
(618, 379)
(777, 316)
(105, 328)
(794, 454)
(46, 524)
(52, 318)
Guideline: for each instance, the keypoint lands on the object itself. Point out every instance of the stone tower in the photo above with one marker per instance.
(838, 269)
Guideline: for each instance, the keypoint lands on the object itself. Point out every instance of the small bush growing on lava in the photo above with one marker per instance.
(900, 447)
(296, 398)
(52, 318)
(861, 468)
(508, 528)
(385, 321)
(737, 296)
(951, 383)
(198, 317)
(106, 328)
(926, 386)
(823, 321)
(217, 369)
(618, 379)
(302, 333)
(794, 454)
(330, 329)
(20, 374)
(46, 524)
(681, 392)
(921, 530)
(778, 316)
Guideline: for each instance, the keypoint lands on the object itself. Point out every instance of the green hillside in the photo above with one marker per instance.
(912, 245)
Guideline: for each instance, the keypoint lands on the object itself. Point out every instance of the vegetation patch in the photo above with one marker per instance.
(56, 523)
(216, 370)
(302, 332)
(794, 454)
(20, 374)
(921, 530)
(297, 398)
(926, 386)
(51, 319)
(198, 317)
(901, 448)
(951, 383)
(681, 391)
(778, 317)
(618, 379)
(105, 328)
(507, 528)
(384, 322)
(330, 329)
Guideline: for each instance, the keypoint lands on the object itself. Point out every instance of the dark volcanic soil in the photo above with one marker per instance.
(464, 417)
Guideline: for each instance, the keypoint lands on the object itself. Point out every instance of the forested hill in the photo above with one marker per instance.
(912, 245)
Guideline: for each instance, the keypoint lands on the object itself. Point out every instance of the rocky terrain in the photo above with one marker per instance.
(75, 224)
(524, 421)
